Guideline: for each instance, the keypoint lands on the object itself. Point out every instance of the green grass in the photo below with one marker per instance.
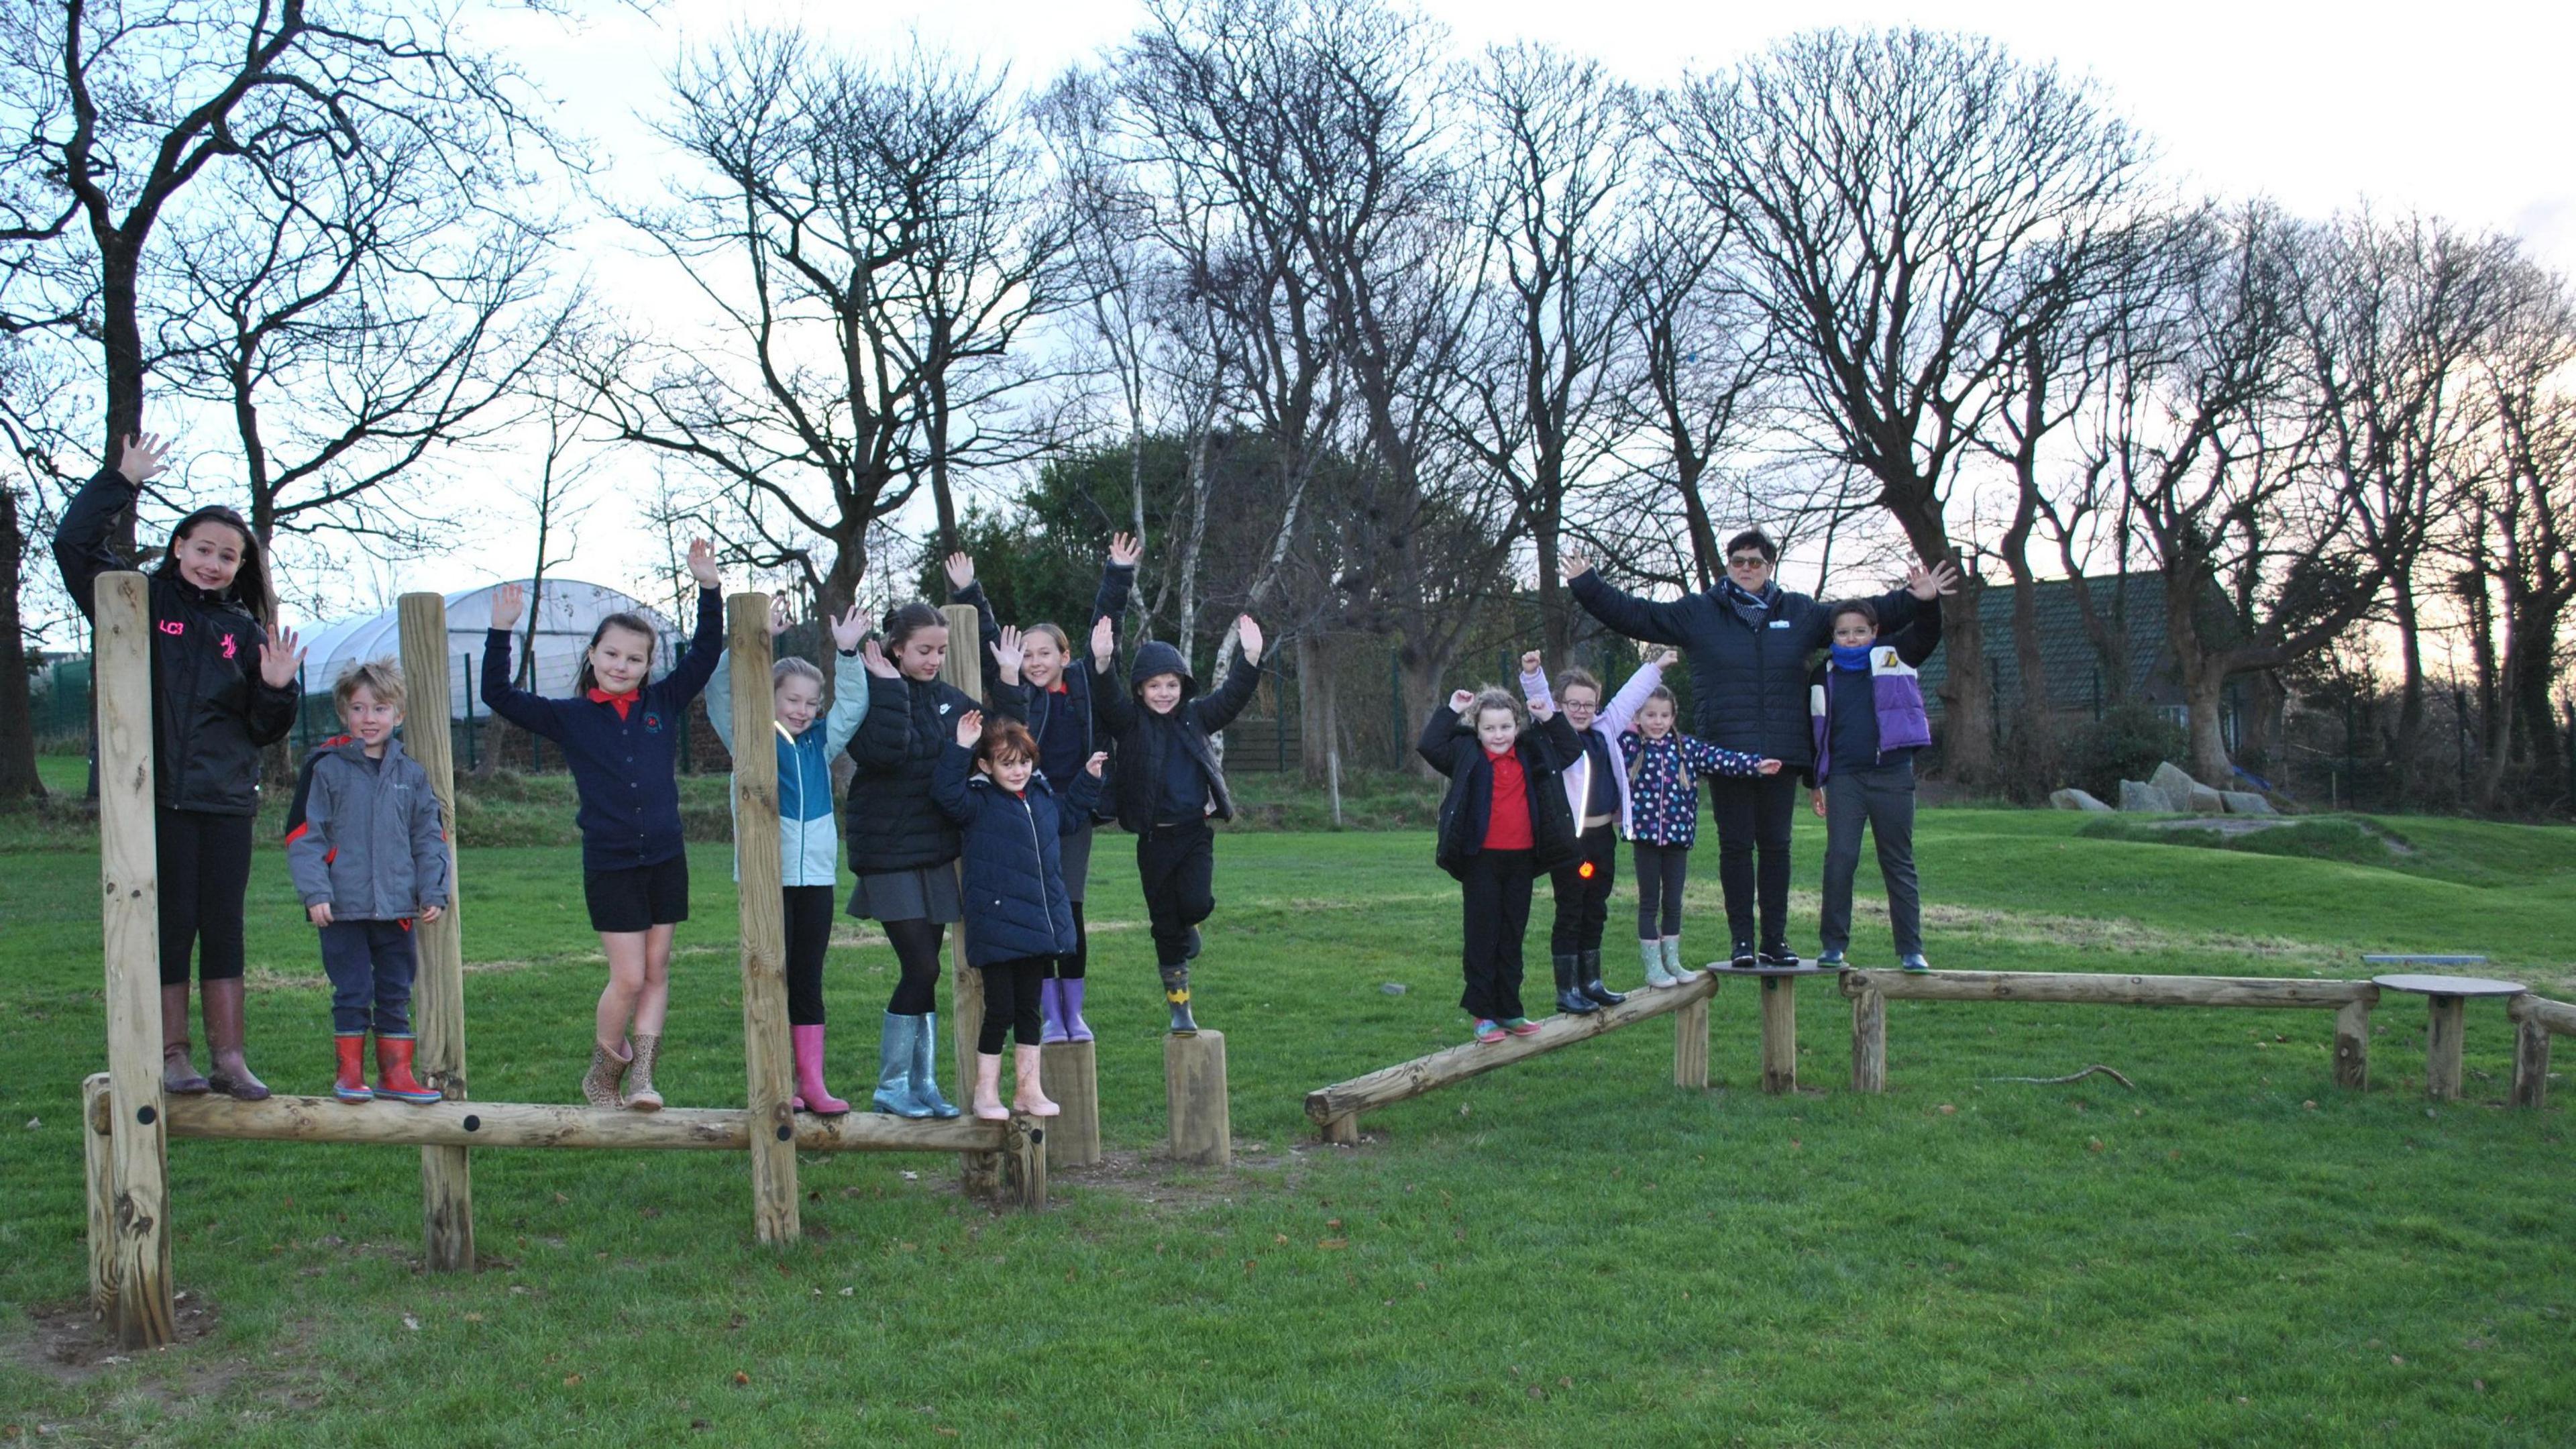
(1566, 1251)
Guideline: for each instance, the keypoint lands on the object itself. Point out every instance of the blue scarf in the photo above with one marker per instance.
(1853, 657)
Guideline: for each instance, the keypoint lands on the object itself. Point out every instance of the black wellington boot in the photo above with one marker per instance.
(1176, 993)
(1587, 972)
(1569, 992)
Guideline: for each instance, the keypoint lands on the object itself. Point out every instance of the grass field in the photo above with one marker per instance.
(1571, 1250)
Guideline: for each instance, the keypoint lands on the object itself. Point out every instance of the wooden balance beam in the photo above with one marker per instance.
(2536, 1019)
(1336, 1109)
(1871, 990)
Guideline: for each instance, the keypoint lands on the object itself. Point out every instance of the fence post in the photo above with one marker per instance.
(764, 925)
(438, 996)
(981, 1172)
(2352, 1045)
(1779, 1035)
(1690, 1046)
(131, 895)
(473, 731)
(1869, 1041)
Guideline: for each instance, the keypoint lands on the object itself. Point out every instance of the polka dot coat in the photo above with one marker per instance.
(1663, 783)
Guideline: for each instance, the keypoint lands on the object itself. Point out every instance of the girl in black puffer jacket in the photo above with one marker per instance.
(223, 690)
(902, 847)
(1014, 824)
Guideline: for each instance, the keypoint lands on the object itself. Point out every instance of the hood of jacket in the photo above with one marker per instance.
(1156, 657)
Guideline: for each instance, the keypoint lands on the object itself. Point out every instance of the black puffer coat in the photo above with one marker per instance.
(1450, 745)
(1145, 739)
(211, 712)
(1015, 900)
(891, 820)
(1748, 674)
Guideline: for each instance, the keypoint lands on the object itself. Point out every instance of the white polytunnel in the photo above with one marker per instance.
(565, 614)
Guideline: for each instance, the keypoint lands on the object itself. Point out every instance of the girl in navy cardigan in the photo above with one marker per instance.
(1013, 824)
(621, 736)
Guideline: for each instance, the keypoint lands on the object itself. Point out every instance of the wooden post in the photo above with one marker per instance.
(1869, 1041)
(765, 1054)
(980, 1172)
(2443, 1018)
(438, 991)
(130, 897)
(2352, 1045)
(1779, 1035)
(1194, 1092)
(2530, 1064)
(1024, 1163)
(1069, 1071)
(98, 1161)
(1341, 1131)
(1690, 1046)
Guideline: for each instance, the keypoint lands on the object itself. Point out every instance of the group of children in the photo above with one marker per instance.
(959, 810)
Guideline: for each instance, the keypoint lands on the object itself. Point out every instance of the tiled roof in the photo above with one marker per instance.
(2136, 601)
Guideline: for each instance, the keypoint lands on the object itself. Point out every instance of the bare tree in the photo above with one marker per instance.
(1886, 190)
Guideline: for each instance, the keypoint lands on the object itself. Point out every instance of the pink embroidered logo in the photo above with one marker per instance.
(231, 646)
(173, 628)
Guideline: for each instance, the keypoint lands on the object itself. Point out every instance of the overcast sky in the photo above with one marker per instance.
(2445, 108)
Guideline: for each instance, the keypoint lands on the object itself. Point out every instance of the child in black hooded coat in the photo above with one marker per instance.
(1168, 785)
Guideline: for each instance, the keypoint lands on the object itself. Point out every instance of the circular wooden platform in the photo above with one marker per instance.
(2449, 985)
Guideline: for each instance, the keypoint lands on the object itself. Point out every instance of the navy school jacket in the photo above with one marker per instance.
(1014, 895)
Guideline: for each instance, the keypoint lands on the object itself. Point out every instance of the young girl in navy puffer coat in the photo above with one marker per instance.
(1012, 823)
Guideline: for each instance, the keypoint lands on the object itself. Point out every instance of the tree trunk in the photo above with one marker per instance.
(1420, 675)
(1967, 693)
(18, 778)
(2527, 676)
(2034, 713)
(2203, 676)
(1556, 629)
(2409, 734)
(1705, 560)
(1317, 690)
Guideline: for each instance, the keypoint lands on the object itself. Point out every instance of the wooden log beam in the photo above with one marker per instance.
(1779, 1035)
(1069, 1071)
(767, 1061)
(980, 1174)
(1194, 1090)
(285, 1118)
(2108, 990)
(2445, 1018)
(130, 907)
(1406, 1080)
(2540, 1011)
(438, 988)
(1869, 1041)
(1690, 1046)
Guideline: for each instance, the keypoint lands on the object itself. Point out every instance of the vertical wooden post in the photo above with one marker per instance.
(980, 1172)
(2352, 1045)
(2530, 1064)
(2443, 1019)
(438, 992)
(130, 896)
(1343, 1131)
(98, 1163)
(1690, 1046)
(1194, 1092)
(1070, 1073)
(765, 1055)
(1779, 1035)
(1024, 1163)
(1869, 1041)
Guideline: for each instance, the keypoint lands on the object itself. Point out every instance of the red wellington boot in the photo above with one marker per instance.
(393, 1071)
(350, 1085)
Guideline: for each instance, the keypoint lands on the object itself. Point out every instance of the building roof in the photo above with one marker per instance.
(2134, 601)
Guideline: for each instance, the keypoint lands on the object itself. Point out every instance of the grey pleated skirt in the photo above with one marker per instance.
(925, 894)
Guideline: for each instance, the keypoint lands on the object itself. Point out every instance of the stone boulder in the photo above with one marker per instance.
(2205, 801)
(2246, 802)
(2139, 796)
(2074, 800)
(2175, 781)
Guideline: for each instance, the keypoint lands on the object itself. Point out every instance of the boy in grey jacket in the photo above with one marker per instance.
(368, 852)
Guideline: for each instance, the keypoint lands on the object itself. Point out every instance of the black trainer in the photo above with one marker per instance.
(1780, 956)
(1745, 957)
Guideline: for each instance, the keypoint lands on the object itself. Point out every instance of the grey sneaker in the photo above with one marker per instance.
(1916, 962)
(1832, 961)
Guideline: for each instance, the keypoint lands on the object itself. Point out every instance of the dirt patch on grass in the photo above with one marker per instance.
(69, 1345)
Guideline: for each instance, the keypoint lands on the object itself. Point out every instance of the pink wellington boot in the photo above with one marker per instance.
(1027, 1097)
(811, 1094)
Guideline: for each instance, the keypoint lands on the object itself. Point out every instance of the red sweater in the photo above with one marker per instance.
(1507, 827)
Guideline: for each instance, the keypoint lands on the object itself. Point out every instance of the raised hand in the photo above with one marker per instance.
(1542, 709)
(1248, 634)
(1094, 765)
(961, 571)
(970, 728)
(1767, 767)
(1104, 641)
(1530, 661)
(1007, 653)
(1923, 583)
(1459, 701)
(1125, 549)
(848, 630)
(702, 564)
(508, 601)
(280, 655)
(873, 657)
(143, 457)
(1574, 565)
(1663, 656)
(779, 621)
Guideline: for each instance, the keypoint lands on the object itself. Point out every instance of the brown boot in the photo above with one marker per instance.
(599, 1086)
(178, 1074)
(640, 1096)
(231, 1075)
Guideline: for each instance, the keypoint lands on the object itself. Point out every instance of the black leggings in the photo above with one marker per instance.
(1661, 870)
(809, 936)
(204, 866)
(1073, 964)
(916, 950)
(1011, 1002)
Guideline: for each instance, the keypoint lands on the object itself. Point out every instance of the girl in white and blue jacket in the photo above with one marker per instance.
(809, 844)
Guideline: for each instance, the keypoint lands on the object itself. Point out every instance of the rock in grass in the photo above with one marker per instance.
(2140, 796)
(2071, 799)
(2176, 782)
(2246, 802)
(2205, 801)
